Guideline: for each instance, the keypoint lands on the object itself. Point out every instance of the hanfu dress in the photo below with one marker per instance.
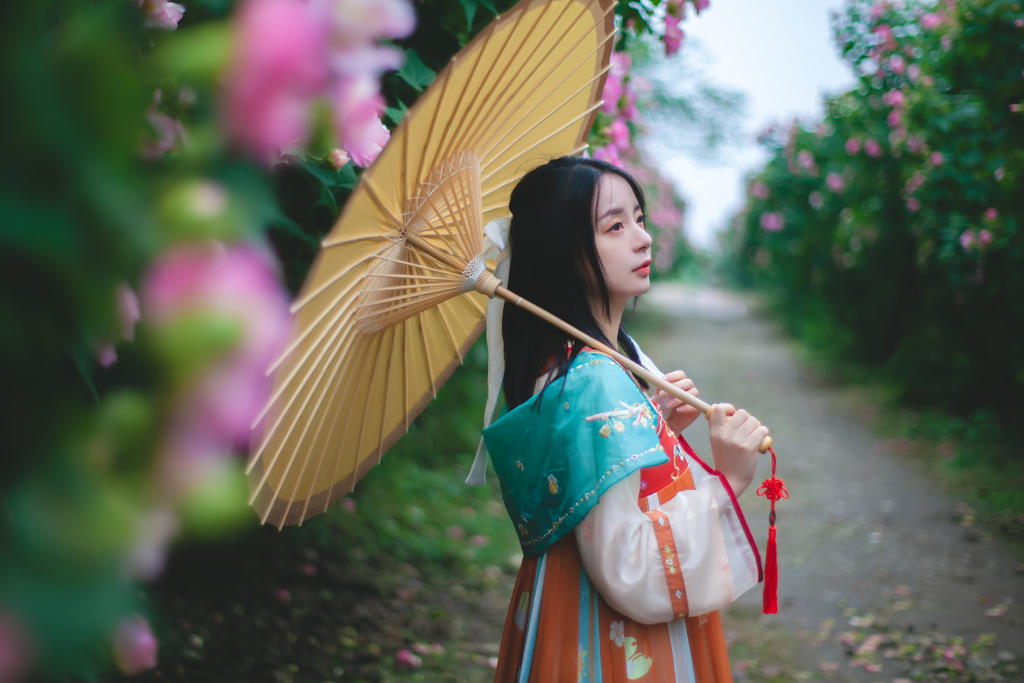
(631, 543)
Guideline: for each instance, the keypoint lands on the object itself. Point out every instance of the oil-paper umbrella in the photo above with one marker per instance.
(398, 291)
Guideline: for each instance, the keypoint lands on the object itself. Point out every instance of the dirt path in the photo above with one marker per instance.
(873, 560)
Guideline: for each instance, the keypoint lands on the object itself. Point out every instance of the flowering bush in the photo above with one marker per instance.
(146, 265)
(895, 223)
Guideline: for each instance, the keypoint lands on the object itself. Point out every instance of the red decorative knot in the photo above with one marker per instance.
(773, 488)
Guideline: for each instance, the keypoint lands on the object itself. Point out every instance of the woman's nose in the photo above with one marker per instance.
(644, 238)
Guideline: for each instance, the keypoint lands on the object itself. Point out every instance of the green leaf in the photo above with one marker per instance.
(396, 114)
(470, 8)
(414, 72)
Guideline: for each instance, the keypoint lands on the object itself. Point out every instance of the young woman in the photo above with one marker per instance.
(630, 541)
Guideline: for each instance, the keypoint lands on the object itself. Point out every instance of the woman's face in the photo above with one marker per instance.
(622, 241)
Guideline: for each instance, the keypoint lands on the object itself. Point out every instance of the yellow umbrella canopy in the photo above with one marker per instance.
(387, 311)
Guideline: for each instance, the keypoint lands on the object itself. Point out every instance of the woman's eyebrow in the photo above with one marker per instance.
(616, 210)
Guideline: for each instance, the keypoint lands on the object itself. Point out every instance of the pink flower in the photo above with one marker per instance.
(673, 35)
(984, 238)
(106, 354)
(913, 205)
(834, 181)
(805, 159)
(278, 67)
(913, 72)
(608, 153)
(884, 33)
(877, 10)
(15, 648)
(337, 159)
(895, 118)
(966, 239)
(914, 183)
(404, 659)
(893, 98)
(991, 214)
(897, 64)
(759, 189)
(618, 131)
(915, 143)
(611, 94)
(169, 131)
(872, 148)
(354, 20)
(162, 14)
(701, 5)
(815, 200)
(936, 159)
(772, 221)
(135, 646)
(999, 173)
(357, 107)
(127, 311)
(234, 285)
(852, 146)
(931, 21)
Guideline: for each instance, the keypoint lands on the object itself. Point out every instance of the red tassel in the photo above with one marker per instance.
(773, 489)
(771, 576)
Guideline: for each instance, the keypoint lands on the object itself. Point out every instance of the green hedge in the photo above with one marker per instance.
(891, 230)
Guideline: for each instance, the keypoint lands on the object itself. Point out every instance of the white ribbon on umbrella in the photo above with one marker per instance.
(495, 247)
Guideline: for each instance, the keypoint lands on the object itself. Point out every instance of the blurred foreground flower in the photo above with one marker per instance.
(135, 646)
(162, 14)
(772, 221)
(221, 318)
(289, 54)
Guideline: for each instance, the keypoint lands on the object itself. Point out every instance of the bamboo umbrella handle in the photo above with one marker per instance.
(626, 362)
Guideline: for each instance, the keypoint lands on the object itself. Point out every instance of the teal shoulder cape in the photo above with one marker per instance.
(557, 453)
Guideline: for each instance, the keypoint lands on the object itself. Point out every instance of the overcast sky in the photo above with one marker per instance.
(780, 55)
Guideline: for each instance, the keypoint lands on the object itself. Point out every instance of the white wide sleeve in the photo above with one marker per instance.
(690, 556)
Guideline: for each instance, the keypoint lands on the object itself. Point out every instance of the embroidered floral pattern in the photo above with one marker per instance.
(617, 632)
(552, 484)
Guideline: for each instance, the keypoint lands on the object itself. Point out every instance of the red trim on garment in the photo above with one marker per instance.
(735, 504)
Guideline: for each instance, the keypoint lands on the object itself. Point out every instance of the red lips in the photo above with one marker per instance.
(644, 268)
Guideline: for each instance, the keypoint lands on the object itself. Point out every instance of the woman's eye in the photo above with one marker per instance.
(641, 219)
(615, 228)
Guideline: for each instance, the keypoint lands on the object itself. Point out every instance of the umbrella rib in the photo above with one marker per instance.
(446, 76)
(410, 276)
(362, 419)
(464, 199)
(337, 314)
(448, 329)
(275, 455)
(358, 363)
(438, 212)
(503, 205)
(405, 374)
(451, 276)
(547, 137)
(339, 321)
(489, 144)
(519, 81)
(324, 449)
(338, 241)
(500, 90)
(426, 356)
(403, 288)
(443, 141)
(406, 297)
(387, 386)
(303, 300)
(273, 430)
(455, 212)
(396, 222)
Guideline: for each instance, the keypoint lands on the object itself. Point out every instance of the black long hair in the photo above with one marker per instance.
(554, 262)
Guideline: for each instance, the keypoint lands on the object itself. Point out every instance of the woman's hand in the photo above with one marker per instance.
(735, 436)
(678, 414)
